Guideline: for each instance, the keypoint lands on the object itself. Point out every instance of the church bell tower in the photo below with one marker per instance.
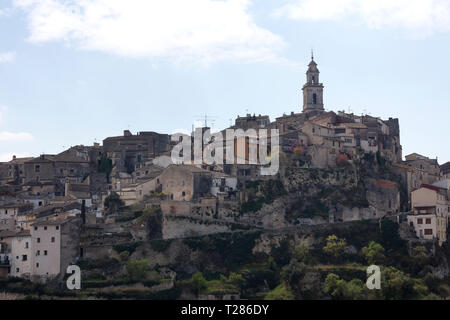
(313, 89)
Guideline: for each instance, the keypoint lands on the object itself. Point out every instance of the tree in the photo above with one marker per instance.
(374, 253)
(236, 279)
(198, 283)
(292, 273)
(301, 251)
(334, 246)
(342, 290)
(137, 269)
(396, 285)
(281, 292)
(389, 234)
(113, 202)
(420, 256)
(124, 255)
(105, 166)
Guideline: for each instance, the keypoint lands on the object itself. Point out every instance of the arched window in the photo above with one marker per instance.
(313, 79)
(314, 98)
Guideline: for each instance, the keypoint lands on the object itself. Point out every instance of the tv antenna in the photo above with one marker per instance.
(206, 118)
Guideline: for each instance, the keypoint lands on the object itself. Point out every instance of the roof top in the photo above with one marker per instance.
(434, 188)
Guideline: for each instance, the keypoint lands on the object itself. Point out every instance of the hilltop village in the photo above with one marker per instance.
(122, 198)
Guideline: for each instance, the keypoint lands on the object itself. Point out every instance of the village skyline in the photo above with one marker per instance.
(63, 86)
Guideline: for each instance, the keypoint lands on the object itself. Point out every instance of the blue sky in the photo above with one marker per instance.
(72, 72)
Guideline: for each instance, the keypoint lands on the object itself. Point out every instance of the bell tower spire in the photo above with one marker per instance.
(313, 89)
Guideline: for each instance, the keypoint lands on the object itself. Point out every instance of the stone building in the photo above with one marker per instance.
(9, 215)
(129, 150)
(184, 182)
(251, 122)
(428, 169)
(13, 172)
(57, 169)
(445, 170)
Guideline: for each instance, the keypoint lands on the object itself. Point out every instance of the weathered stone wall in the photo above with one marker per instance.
(183, 227)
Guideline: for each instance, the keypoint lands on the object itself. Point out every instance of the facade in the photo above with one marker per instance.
(184, 182)
(129, 150)
(429, 226)
(445, 170)
(251, 122)
(428, 196)
(57, 169)
(13, 172)
(21, 255)
(55, 245)
(9, 215)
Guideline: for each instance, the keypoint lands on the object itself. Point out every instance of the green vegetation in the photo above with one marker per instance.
(130, 247)
(374, 253)
(113, 202)
(281, 292)
(262, 192)
(334, 246)
(137, 269)
(160, 245)
(129, 217)
(342, 290)
(105, 165)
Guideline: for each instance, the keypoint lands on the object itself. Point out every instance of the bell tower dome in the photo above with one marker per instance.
(313, 89)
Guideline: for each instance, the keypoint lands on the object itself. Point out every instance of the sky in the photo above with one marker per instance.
(77, 71)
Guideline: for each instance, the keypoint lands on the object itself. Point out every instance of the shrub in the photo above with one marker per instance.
(374, 253)
(137, 269)
(334, 246)
(281, 292)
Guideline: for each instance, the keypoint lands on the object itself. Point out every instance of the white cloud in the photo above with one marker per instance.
(198, 30)
(424, 16)
(6, 157)
(6, 136)
(7, 57)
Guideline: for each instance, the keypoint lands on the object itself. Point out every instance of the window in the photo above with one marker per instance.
(24, 257)
(420, 221)
(45, 228)
(57, 227)
(183, 193)
(38, 240)
(428, 221)
(37, 168)
(37, 265)
(26, 245)
(35, 228)
(45, 252)
(17, 270)
(428, 232)
(38, 253)
(314, 98)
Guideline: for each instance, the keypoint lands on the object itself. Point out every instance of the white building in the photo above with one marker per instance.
(55, 245)
(429, 226)
(21, 255)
